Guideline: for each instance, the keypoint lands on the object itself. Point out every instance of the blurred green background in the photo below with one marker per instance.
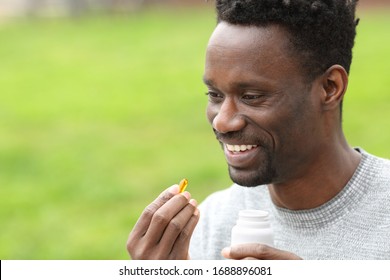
(99, 114)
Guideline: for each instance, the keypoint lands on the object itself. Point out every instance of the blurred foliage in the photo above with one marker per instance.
(367, 102)
(98, 115)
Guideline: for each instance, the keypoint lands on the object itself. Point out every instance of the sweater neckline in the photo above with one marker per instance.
(333, 210)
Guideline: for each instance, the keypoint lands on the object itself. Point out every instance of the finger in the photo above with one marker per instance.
(144, 220)
(257, 251)
(182, 244)
(164, 215)
(177, 225)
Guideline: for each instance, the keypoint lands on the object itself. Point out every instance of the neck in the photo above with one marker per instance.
(321, 182)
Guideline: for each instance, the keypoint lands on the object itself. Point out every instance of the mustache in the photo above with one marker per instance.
(238, 136)
(244, 138)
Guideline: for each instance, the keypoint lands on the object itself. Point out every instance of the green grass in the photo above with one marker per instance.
(367, 103)
(99, 115)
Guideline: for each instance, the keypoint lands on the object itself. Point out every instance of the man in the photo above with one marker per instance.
(277, 72)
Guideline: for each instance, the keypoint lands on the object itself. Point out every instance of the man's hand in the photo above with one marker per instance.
(164, 228)
(255, 251)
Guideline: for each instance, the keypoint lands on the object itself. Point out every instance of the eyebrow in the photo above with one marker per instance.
(207, 81)
(240, 85)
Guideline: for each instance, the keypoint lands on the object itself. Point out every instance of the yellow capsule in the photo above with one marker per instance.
(183, 184)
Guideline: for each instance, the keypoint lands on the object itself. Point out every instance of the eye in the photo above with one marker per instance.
(214, 96)
(254, 99)
(251, 97)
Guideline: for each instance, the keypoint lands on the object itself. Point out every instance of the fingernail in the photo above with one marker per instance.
(225, 252)
(174, 189)
(193, 202)
(187, 195)
(196, 212)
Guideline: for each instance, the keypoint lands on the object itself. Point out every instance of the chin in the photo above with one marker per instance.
(252, 178)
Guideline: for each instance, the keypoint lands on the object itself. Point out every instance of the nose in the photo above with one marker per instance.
(228, 117)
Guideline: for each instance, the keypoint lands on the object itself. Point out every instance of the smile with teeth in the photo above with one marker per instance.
(239, 148)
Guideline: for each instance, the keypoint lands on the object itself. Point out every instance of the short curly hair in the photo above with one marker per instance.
(322, 31)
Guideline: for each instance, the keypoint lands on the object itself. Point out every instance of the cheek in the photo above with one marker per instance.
(295, 132)
(278, 126)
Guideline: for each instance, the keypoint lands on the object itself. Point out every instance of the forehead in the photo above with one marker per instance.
(251, 49)
(244, 35)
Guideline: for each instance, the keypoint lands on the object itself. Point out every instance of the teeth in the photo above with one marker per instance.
(240, 148)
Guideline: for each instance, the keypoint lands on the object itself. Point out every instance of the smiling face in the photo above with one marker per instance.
(266, 117)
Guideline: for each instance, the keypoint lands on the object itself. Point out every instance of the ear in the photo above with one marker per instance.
(334, 84)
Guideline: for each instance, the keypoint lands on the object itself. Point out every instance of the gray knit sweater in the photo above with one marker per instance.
(353, 225)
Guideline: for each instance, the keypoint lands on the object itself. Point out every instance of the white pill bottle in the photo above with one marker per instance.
(253, 226)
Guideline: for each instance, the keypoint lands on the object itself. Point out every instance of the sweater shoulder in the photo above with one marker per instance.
(378, 169)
